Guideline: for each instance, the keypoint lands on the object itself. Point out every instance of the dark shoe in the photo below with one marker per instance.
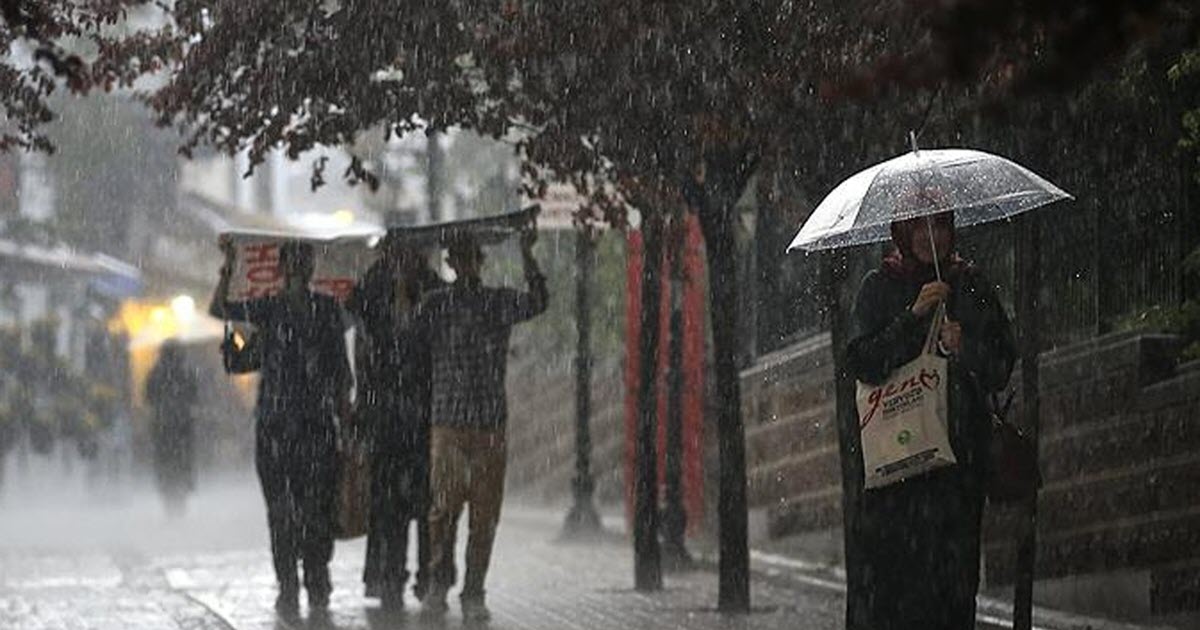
(434, 604)
(287, 606)
(318, 601)
(319, 618)
(475, 611)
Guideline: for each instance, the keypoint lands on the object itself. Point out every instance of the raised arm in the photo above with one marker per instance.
(519, 306)
(539, 295)
(217, 305)
(253, 311)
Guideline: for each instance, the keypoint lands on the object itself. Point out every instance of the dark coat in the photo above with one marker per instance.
(305, 370)
(394, 395)
(171, 387)
(394, 379)
(172, 390)
(913, 547)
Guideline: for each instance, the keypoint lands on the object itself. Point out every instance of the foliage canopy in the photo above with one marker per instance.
(625, 92)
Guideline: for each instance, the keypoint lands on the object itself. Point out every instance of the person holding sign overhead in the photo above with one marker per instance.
(305, 383)
(468, 326)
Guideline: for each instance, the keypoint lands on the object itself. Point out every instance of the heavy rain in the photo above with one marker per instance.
(854, 315)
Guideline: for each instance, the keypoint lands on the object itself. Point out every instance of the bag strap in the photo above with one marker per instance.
(998, 412)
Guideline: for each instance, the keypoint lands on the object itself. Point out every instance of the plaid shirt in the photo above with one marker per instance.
(468, 327)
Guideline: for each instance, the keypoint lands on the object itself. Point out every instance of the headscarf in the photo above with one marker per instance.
(902, 264)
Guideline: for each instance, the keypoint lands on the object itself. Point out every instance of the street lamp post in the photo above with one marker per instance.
(582, 520)
(435, 175)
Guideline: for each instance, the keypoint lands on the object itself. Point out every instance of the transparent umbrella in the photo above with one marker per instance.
(977, 186)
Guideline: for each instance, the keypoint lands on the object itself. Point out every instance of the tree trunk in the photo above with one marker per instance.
(717, 221)
(647, 561)
(674, 521)
(834, 268)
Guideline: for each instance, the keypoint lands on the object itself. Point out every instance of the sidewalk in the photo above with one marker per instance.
(784, 564)
(536, 583)
(826, 583)
(213, 572)
(991, 612)
(47, 591)
(126, 569)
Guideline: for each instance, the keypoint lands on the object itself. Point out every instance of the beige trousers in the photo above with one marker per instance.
(466, 467)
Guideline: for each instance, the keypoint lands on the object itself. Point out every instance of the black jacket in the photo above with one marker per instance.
(394, 378)
(915, 560)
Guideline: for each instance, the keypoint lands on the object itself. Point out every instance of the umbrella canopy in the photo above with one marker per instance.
(487, 230)
(977, 186)
(342, 259)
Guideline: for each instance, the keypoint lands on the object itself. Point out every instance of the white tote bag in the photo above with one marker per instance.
(903, 421)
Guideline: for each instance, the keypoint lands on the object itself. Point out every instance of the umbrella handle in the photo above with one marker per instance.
(937, 266)
(937, 270)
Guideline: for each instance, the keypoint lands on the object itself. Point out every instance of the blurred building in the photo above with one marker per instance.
(111, 242)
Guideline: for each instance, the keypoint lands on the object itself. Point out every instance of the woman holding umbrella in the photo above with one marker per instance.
(912, 547)
(919, 539)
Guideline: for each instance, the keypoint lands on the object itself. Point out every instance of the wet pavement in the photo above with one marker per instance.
(110, 560)
(212, 572)
(48, 591)
(536, 583)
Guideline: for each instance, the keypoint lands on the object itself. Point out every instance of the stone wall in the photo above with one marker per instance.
(1120, 453)
(791, 439)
